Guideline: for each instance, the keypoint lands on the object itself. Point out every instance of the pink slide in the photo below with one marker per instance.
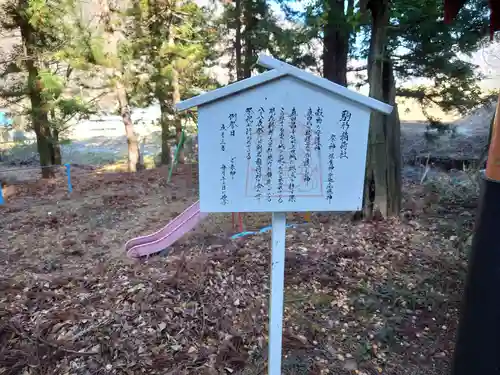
(158, 241)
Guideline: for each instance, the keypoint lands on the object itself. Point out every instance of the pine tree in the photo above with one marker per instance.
(403, 40)
(171, 44)
(33, 70)
(250, 27)
(332, 24)
(112, 21)
(421, 45)
(409, 40)
(64, 108)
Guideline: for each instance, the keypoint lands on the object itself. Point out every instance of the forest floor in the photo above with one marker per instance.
(361, 297)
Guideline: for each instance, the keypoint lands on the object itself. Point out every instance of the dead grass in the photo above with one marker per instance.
(361, 298)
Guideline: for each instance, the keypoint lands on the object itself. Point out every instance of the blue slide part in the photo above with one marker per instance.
(242, 234)
(263, 230)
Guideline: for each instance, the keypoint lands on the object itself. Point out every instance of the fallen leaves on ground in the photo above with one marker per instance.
(361, 298)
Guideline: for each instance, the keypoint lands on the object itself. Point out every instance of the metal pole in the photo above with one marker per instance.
(176, 155)
(277, 293)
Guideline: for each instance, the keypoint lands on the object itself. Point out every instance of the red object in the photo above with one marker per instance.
(452, 7)
(240, 221)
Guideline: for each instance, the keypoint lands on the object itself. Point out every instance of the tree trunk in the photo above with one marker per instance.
(237, 41)
(392, 126)
(55, 148)
(114, 72)
(382, 184)
(336, 41)
(165, 131)
(40, 121)
(249, 22)
(176, 98)
(133, 146)
(39, 114)
(54, 145)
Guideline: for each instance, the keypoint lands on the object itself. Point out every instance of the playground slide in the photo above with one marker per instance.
(168, 235)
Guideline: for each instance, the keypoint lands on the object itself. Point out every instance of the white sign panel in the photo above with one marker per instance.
(282, 146)
(282, 141)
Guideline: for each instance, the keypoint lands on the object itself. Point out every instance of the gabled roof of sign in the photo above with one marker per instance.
(280, 69)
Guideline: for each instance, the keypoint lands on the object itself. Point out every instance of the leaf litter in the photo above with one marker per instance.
(363, 297)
